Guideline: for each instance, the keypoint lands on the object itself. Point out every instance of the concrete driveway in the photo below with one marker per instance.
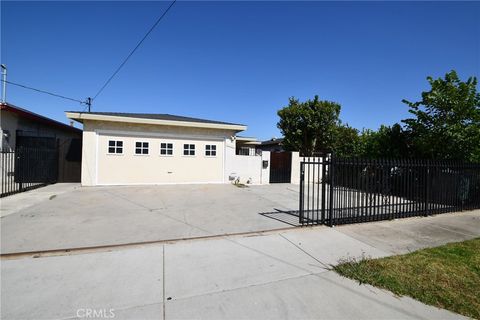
(53, 218)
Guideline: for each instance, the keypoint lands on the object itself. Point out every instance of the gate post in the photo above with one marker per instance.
(324, 191)
(18, 168)
(302, 187)
(331, 171)
(427, 191)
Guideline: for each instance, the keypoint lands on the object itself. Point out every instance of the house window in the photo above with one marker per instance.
(188, 149)
(244, 151)
(211, 150)
(115, 147)
(141, 147)
(166, 149)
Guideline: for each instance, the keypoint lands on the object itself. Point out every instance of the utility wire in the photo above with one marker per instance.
(109, 79)
(135, 49)
(43, 91)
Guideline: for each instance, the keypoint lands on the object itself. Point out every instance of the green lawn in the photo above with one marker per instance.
(447, 277)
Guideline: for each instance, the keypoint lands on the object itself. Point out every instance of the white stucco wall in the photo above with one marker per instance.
(249, 169)
(295, 172)
(266, 171)
(101, 168)
(89, 156)
(229, 158)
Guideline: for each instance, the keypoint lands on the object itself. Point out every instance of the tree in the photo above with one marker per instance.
(387, 142)
(347, 142)
(309, 126)
(447, 120)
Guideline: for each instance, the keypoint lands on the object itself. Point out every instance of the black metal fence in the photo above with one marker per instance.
(338, 191)
(27, 168)
(316, 192)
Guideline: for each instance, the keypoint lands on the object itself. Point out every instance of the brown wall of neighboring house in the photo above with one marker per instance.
(21, 128)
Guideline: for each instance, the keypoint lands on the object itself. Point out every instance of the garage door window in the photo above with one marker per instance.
(166, 149)
(141, 147)
(211, 150)
(188, 149)
(115, 147)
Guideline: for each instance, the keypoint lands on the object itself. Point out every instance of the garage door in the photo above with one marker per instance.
(124, 160)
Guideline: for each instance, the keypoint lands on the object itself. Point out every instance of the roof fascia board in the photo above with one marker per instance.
(97, 117)
(246, 139)
(251, 143)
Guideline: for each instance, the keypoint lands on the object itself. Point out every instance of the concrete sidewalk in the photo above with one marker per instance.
(277, 275)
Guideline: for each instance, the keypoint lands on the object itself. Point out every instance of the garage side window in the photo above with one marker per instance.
(211, 150)
(141, 147)
(166, 149)
(115, 146)
(188, 149)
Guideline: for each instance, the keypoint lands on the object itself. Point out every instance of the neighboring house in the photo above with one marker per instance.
(246, 146)
(138, 148)
(272, 145)
(23, 129)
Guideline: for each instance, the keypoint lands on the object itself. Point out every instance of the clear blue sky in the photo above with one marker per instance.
(237, 61)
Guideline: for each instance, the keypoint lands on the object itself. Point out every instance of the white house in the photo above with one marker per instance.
(136, 148)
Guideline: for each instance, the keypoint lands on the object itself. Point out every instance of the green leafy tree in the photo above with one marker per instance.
(347, 142)
(387, 142)
(446, 122)
(368, 146)
(309, 126)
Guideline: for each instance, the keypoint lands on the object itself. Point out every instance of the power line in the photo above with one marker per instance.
(43, 91)
(135, 49)
(88, 102)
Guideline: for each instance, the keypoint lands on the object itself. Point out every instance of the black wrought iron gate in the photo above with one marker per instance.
(339, 191)
(27, 168)
(316, 191)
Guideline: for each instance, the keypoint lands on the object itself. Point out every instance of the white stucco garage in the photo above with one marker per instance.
(132, 148)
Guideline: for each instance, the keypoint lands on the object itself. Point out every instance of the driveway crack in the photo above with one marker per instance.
(253, 285)
(328, 267)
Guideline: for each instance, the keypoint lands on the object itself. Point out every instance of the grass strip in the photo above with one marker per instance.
(447, 277)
